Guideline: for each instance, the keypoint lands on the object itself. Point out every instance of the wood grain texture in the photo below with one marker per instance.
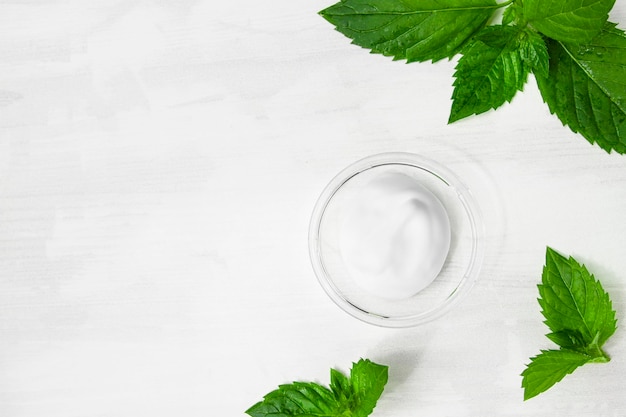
(159, 162)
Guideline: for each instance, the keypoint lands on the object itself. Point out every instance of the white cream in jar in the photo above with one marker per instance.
(395, 236)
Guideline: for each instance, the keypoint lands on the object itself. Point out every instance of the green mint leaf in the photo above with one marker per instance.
(581, 317)
(368, 381)
(340, 386)
(548, 368)
(574, 301)
(415, 30)
(568, 20)
(355, 396)
(297, 399)
(534, 52)
(489, 73)
(511, 13)
(586, 90)
(568, 339)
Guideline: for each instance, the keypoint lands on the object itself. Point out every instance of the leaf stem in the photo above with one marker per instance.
(600, 356)
(595, 351)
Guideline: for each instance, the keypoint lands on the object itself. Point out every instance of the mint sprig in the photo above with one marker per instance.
(579, 313)
(577, 56)
(353, 396)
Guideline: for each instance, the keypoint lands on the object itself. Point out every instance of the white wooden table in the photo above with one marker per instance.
(159, 161)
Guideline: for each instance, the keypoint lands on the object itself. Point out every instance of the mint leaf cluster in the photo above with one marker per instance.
(577, 57)
(580, 316)
(353, 396)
